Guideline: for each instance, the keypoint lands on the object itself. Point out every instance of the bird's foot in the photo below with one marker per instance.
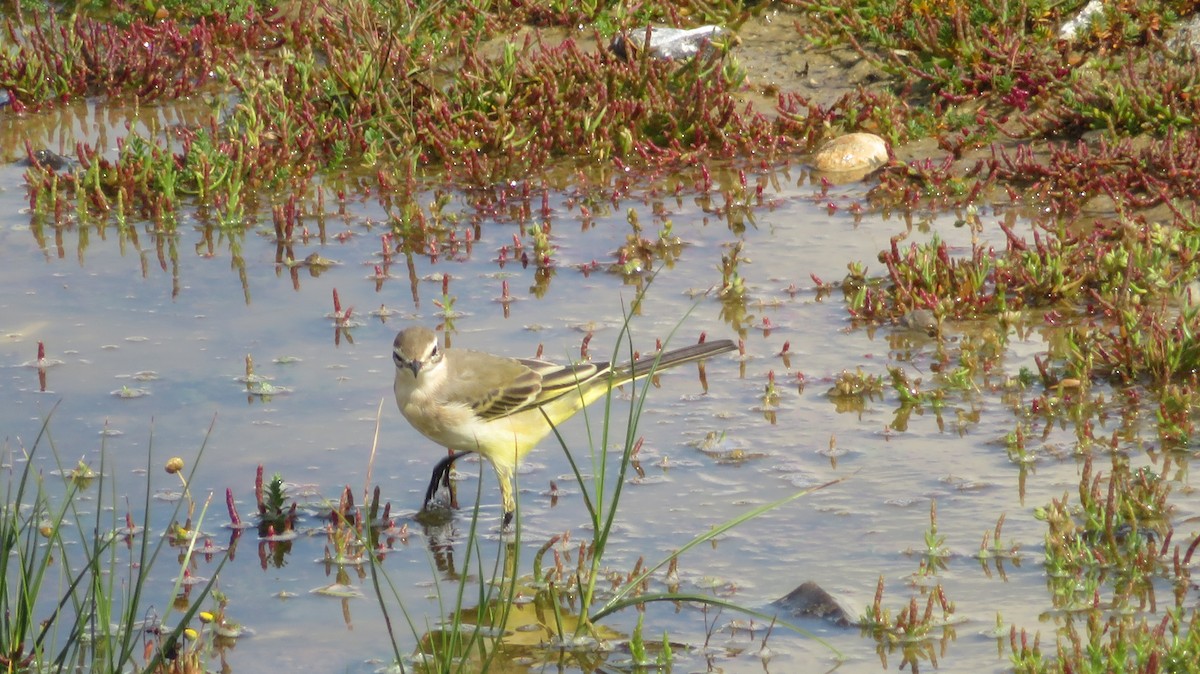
(434, 514)
(441, 476)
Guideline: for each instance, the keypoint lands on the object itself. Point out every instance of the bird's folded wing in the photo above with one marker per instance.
(495, 387)
(559, 380)
(491, 386)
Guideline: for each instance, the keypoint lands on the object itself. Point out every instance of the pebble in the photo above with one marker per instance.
(851, 152)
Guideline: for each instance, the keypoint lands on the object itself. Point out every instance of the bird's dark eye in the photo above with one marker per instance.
(434, 352)
(398, 359)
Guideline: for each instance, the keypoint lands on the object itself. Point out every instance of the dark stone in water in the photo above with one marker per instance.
(51, 160)
(922, 320)
(812, 601)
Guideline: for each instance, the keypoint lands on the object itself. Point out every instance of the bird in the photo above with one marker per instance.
(500, 407)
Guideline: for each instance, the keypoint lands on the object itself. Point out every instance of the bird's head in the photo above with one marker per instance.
(415, 349)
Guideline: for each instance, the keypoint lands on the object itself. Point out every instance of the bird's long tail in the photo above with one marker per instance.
(585, 383)
(656, 363)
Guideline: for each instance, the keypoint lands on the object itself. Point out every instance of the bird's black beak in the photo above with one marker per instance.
(401, 361)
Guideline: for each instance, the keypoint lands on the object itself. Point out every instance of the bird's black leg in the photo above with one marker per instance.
(441, 474)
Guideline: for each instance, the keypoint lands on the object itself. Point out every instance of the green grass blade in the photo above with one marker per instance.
(615, 602)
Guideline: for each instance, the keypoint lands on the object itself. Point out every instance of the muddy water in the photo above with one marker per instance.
(121, 316)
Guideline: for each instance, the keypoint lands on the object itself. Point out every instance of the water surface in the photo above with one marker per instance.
(110, 307)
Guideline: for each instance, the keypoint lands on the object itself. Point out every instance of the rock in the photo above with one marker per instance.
(853, 152)
(665, 43)
(812, 601)
(1186, 37)
(921, 320)
(50, 160)
(1189, 295)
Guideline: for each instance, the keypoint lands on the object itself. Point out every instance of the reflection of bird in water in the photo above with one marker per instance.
(440, 538)
(532, 613)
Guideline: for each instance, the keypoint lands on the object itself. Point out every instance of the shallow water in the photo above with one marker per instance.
(109, 308)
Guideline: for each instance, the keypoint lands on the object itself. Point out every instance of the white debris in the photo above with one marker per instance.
(1082, 21)
(666, 43)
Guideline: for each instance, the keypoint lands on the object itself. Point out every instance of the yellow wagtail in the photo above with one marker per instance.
(470, 401)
